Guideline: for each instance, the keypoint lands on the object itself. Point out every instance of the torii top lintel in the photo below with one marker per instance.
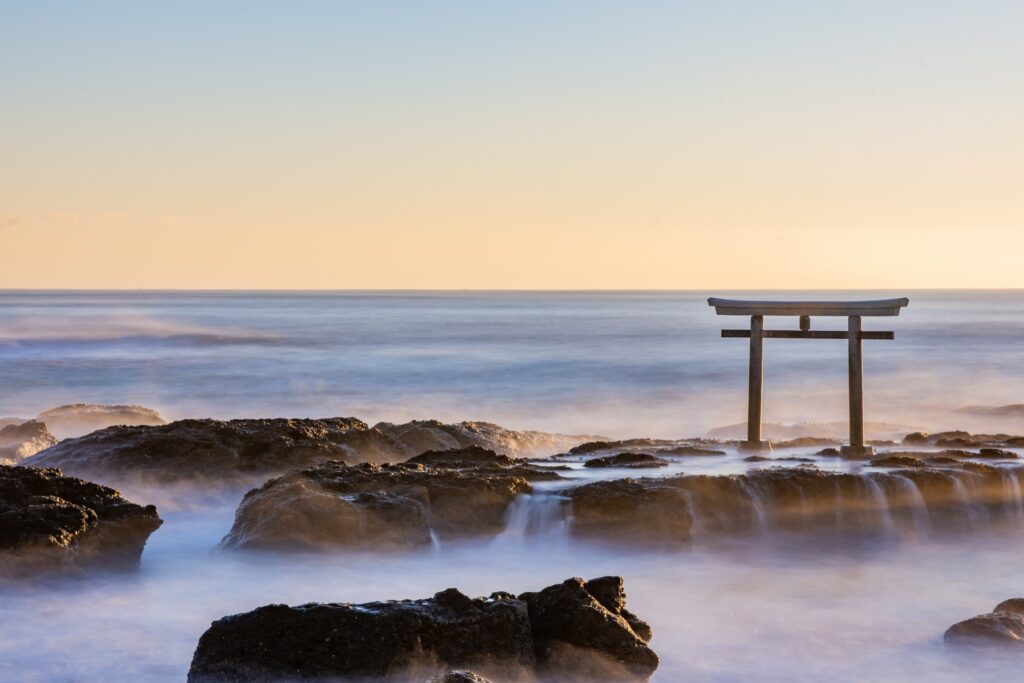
(886, 307)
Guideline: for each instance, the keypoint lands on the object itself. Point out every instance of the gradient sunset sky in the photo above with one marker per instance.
(431, 144)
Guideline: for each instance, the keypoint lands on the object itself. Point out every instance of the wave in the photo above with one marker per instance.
(111, 329)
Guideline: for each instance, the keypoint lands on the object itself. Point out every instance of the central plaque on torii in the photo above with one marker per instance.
(853, 310)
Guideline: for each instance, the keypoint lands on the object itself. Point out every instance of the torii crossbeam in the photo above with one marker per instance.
(853, 310)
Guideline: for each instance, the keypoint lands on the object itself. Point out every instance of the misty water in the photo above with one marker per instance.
(769, 606)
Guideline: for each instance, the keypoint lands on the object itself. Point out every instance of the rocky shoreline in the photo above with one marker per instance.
(576, 630)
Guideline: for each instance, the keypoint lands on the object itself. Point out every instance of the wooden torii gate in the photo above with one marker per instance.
(853, 310)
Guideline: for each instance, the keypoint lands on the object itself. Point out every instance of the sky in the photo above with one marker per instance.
(511, 145)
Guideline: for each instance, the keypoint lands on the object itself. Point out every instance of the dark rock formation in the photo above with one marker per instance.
(82, 418)
(1004, 625)
(201, 449)
(627, 459)
(19, 441)
(48, 521)
(465, 492)
(564, 630)
(458, 677)
(598, 446)
(896, 460)
(244, 449)
(689, 450)
(575, 621)
(805, 442)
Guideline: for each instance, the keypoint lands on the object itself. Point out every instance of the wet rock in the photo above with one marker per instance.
(81, 418)
(246, 449)
(578, 633)
(632, 511)
(472, 456)
(805, 442)
(334, 505)
(1004, 625)
(49, 521)
(571, 630)
(916, 439)
(627, 459)
(22, 440)
(828, 452)
(678, 510)
(205, 449)
(597, 446)
(896, 460)
(458, 677)
(689, 450)
(756, 458)
(997, 453)
(376, 641)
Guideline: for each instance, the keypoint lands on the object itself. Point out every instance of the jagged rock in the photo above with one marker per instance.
(627, 459)
(205, 449)
(604, 445)
(81, 418)
(575, 628)
(1004, 625)
(689, 450)
(20, 441)
(996, 453)
(377, 506)
(49, 521)
(578, 632)
(243, 449)
(377, 640)
(916, 439)
(458, 677)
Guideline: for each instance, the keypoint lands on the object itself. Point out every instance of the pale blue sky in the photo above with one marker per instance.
(493, 139)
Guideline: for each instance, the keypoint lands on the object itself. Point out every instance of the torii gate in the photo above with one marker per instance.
(853, 310)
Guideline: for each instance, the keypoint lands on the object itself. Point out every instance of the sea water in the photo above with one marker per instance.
(619, 364)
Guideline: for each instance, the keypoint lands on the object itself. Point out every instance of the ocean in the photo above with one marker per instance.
(612, 363)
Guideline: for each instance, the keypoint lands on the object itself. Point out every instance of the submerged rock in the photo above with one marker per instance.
(22, 440)
(81, 418)
(466, 492)
(627, 459)
(49, 521)
(565, 630)
(243, 449)
(1004, 625)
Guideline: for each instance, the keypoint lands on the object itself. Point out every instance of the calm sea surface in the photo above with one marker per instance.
(616, 363)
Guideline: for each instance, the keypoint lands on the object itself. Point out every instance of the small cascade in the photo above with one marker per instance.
(965, 502)
(914, 502)
(880, 504)
(435, 542)
(1012, 495)
(535, 516)
(756, 504)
